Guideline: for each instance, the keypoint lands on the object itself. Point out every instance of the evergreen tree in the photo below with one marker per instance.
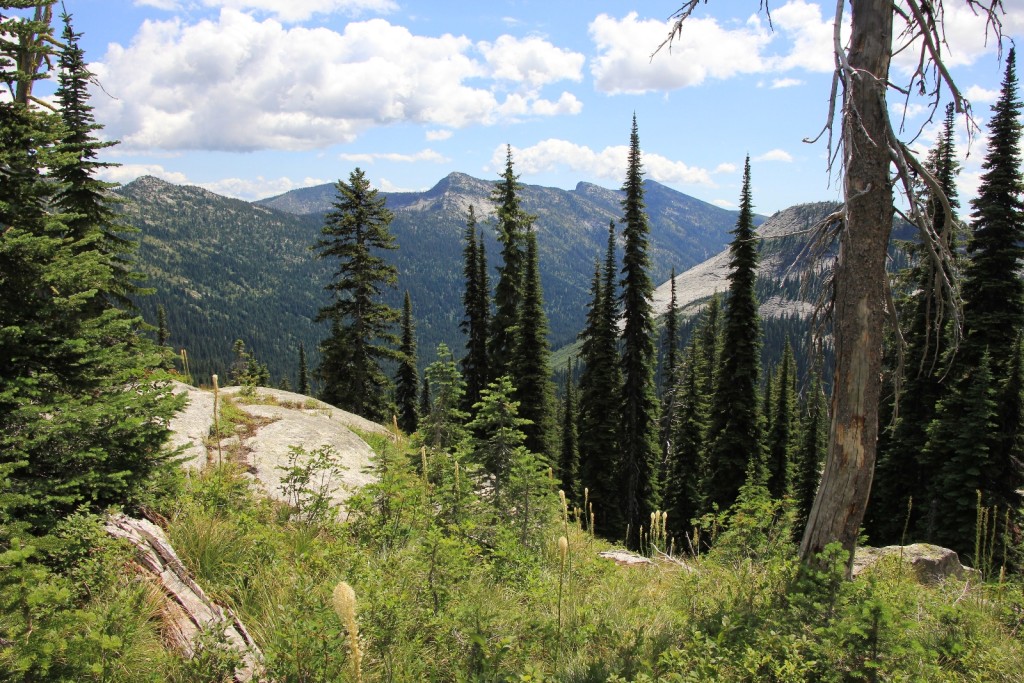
(669, 379)
(682, 491)
(361, 338)
(513, 223)
(993, 290)
(811, 454)
(639, 445)
(784, 430)
(901, 473)
(407, 380)
(599, 390)
(303, 371)
(475, 323)
(734, 436)
(162, 333)
(531, 363)
(442, 420)
(92, 220)
(671, 333)
(569, 459)
(83, 403)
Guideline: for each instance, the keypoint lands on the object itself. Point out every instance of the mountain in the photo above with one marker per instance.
(226, 269)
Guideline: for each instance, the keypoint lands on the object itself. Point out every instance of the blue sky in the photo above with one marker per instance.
(251, 98)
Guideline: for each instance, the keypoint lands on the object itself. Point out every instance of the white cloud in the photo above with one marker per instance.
(386, 185)
(785, 83)
(725, 167)
(609, 163)
(423, 155)
(166, 5)
(531, 60)
(723, 203)
(125, 173)
(774, 155)
(236, 83)
(978, 95)
(437, 135)
(285, 10)
(811, 35)
(907, 110)
(704, 50)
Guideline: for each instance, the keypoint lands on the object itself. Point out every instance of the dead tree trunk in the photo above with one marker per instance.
(860, 282)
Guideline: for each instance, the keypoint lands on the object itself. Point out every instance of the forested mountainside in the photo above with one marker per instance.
(225, 269)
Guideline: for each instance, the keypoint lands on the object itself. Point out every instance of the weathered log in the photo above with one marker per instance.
(190, 611)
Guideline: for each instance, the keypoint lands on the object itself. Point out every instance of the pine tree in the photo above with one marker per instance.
(303, 371)
(569, 458)
(531, 362)
(407, 380)
(476, 302)
(513, 223)
(361, 337)
(639, 445)
(734, 436)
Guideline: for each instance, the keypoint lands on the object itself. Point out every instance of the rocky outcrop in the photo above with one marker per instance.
(929, 563)
(187, 608)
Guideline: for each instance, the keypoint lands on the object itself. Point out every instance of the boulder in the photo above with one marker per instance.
(929, 563)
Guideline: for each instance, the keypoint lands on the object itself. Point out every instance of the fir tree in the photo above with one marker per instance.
(162, 333)
(682, 492)
(569, 458)
(734, 436)
(513, 223)
(811, 453)
(669, 378)
(303, 371)
(639, 446)
(442, 419)
(361, 338)
(476, 302)
(407, 380)
(783, 434)
(501, 436)
(531, 363)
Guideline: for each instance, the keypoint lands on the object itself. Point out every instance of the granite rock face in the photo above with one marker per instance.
(929, 563)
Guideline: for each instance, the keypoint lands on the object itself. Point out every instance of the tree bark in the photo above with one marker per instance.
(860, 281)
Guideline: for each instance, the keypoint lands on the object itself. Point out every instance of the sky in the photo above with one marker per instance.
(252, 98)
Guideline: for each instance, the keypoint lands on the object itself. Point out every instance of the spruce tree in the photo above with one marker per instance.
(811, 453)
(407, 380)
(569, 458)
(639, 406)
(682, 492)
(513, 223)
(476, 303)
(531, 362)
(734, 436)
(669, 378)
(784, 430)
(361, 337)
(162, 334)
(442, 420)
(303, 386)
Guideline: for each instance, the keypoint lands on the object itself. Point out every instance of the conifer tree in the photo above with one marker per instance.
(303, 371)
(569, 458)
(669, 378)
(599, 391)
(639, 407)
(501, 435)
(513, 223)
(83, 403)
(476, 302)
(671, 333)
(162, 334)
(813, 445)
(407, 380)
(784, 429)
(442, 420)
(361, 338)
(734, 436)
(682, 492)
(531, 363)
(901, 473)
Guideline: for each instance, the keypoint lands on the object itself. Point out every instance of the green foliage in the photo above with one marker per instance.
(246, 371)
(407, 380)
(734, 435)
(442, 425)
(477, 312)
(307, 481)
(361, 337)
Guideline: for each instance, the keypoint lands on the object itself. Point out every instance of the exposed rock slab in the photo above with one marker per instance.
(929, 563)
(189, 610)
(625, 558)
(191, 425)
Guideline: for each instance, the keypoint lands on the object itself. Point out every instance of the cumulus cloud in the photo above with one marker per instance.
(423, 155)
(811, 37)
(258, 187)
(237, 83)
(608, 163)
(723, 203)
(531, 60)
(774, 155)
(436, 135)
(125, 173)
(978, 95)
(704, 50)
(725, 167)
